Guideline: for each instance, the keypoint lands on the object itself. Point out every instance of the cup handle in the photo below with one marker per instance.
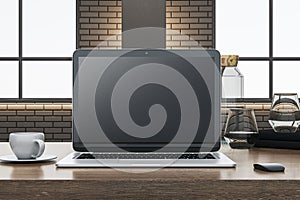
(41, 144)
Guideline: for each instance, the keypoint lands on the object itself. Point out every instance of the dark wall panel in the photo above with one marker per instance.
(144, 23)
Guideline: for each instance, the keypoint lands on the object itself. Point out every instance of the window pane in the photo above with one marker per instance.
(47, 79)
(9, 28)
(286, 28)
(49, 27)
(9, 83)
(286, 76)
(256, 81)
(242, 27)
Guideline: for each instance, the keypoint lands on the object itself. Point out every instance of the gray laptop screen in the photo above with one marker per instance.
(146, 99)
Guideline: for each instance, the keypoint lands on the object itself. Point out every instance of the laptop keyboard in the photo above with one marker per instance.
(144, 156)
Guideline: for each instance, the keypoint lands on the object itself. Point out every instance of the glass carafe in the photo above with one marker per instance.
(241, 131)
(284, 113)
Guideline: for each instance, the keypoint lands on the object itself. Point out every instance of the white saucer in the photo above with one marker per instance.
(14, 159)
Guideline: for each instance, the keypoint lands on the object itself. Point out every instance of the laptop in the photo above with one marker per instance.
(146, 108)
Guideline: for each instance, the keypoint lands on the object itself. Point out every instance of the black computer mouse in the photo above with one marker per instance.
(269, 167)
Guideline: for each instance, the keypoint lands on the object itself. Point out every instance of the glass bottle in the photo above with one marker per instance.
(232, 78)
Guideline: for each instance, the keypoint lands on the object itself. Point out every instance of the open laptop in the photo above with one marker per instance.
(146, 108)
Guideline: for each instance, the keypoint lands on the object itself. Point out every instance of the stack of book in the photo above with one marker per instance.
(271, 139)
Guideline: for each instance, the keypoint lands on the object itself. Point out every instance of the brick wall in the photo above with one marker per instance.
(100, 21)
(55, 120)
(189, 24)
(193, 20)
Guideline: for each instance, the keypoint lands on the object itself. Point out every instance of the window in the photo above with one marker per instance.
(37, 40)
(266, 36)
(259, 72)
(286, 77)
(52, 78)
(286, 31)
(240, 29)
(286, 46)
(8, 79)
(9, 39)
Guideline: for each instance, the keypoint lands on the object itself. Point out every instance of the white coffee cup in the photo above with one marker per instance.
(27, 145)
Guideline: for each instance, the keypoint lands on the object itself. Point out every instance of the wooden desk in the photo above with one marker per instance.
(45, 180)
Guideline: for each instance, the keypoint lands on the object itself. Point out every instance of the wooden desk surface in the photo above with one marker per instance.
(243, 171)
(172, 181)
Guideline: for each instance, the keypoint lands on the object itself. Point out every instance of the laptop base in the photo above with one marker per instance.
(220, 161)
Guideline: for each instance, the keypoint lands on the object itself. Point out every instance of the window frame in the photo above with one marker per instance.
(20, 60)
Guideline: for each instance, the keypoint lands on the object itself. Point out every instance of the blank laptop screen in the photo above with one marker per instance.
(146, 99)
